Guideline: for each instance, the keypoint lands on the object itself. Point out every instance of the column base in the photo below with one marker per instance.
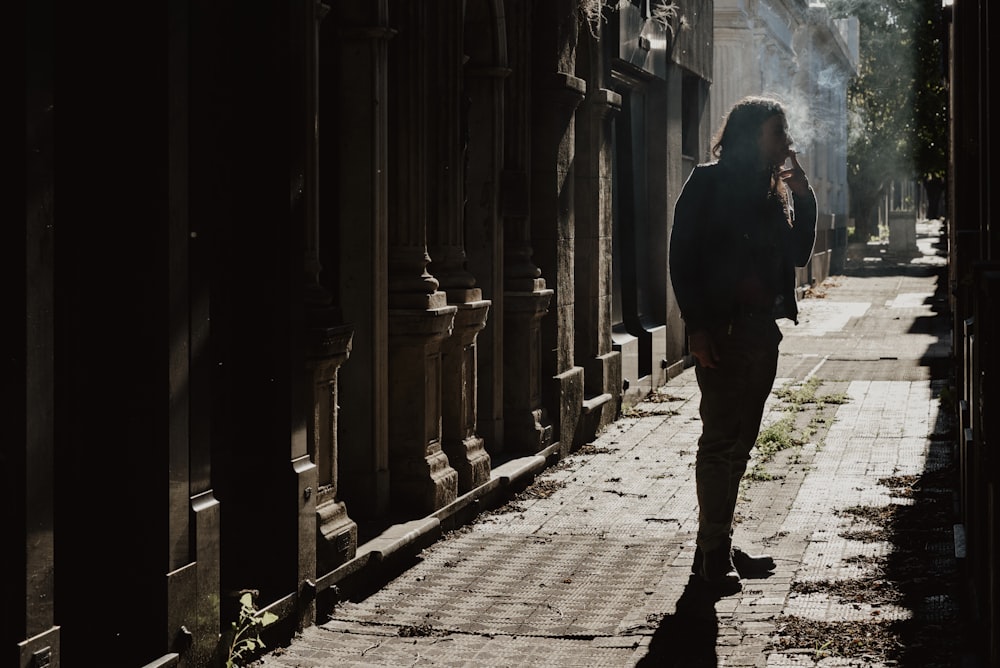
(421, 479)
(422, 486)
(569, 402)
(529, 431)
(526, 423)
(602, 394)
(629, 349)
(459, 440)
(337, 536)
(470, 459)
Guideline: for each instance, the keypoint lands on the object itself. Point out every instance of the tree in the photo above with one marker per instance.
(931, 104)
(897, 102)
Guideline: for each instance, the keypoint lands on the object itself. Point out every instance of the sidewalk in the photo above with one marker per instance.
(850, 491)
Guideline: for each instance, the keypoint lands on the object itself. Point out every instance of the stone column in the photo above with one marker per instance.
(447, 138)
(446, 240)
(733, 40)
(337, 534)
(318, 310)
(526, 422)
(464, 447)
(553, 232)
(421, 479)
(484, 78)
(332, 535)
(556, 94)
(526, 299)
(601, 364)
(353, 142)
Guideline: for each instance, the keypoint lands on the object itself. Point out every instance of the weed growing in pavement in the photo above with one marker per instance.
(820, 421)
(758, 474)
(784, 434)
(776, 437)
(772, 439)
(797, 395)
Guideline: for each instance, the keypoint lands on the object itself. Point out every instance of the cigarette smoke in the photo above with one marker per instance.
(816, 113)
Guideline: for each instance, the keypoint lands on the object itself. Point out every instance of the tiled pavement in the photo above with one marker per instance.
(590, 565)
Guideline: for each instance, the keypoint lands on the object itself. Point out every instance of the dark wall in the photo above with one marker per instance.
(111, 299)
(242, 196)
(26, 367)
(175, 228)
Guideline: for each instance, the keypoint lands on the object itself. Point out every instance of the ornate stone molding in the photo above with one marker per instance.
(421, 479)
(527, 423)
(459, 416)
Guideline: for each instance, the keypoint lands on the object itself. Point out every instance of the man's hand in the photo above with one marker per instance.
(702, 346)
(795, 176)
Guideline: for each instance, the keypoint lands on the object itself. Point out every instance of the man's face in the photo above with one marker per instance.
(773, 141)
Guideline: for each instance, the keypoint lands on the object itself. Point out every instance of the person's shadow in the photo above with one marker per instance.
(687, 638)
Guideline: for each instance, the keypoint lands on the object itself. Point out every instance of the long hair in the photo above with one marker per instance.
(736, 141)
(736, 145)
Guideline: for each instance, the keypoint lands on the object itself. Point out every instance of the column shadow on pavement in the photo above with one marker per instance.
(687, 638)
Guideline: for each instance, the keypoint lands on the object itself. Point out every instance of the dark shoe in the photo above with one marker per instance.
(717, 569)
(752, 565)
(747, 565)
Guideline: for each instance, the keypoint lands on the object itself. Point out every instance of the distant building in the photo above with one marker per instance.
(794, 51)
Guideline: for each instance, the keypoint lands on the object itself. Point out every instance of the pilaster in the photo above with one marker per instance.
(484, 81)
(526, 299)
(448, 135)
(464, 447)
(527, 425)
(327, 536)
(446, 152)
(592, 275)
(557, 96)
(520, 272)
(355, 53)
(337, 534)
(422, 479)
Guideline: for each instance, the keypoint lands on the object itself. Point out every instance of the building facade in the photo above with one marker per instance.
(974, 286)
(792, 50)
(299, 277)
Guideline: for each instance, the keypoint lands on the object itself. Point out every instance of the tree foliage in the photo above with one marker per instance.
(897, 102)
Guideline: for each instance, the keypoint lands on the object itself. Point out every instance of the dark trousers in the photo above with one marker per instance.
(732, 404)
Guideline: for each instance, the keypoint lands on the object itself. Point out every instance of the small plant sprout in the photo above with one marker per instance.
(246, 630)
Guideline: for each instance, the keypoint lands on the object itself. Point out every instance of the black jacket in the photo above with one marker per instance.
(726, 227)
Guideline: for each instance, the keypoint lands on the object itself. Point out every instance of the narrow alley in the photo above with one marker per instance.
(851, 490)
